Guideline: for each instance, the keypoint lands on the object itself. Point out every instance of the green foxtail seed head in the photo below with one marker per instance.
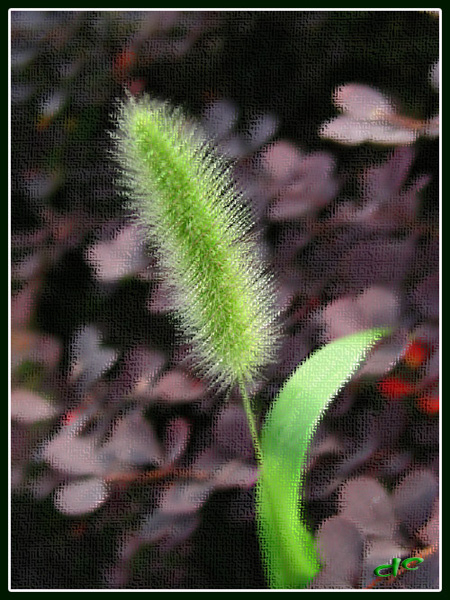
(183, 194)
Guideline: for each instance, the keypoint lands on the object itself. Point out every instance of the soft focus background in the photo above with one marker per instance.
(127, 472)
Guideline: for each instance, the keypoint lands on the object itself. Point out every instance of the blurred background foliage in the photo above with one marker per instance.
(128, 472)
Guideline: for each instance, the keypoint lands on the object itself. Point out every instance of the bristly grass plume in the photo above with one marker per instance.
(183, 194)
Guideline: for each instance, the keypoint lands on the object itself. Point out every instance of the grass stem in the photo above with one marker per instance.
(251, 423)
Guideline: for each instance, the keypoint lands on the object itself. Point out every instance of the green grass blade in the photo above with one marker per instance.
(287, 546)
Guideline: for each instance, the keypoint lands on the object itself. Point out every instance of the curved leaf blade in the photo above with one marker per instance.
(287, 546)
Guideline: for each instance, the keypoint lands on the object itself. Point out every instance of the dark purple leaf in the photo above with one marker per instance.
(340, 545)
(184, 497)
(366, 503)
(132, 442)
(413, 499)
(220, 117)
(81, 497)
(425, 296)
(176, 438)
(178, 387)
(28, 407)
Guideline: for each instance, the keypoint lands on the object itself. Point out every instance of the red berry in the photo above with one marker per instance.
(415, 354)
(123, 62)
(70, 416)
(394, 388)
(428, 404)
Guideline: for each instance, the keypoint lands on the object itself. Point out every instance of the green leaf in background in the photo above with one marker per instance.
(287, 546)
